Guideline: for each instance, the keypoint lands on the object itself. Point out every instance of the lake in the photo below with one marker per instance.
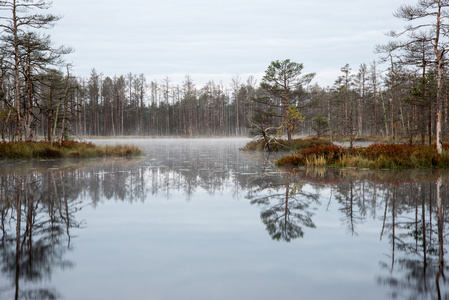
(199, 219)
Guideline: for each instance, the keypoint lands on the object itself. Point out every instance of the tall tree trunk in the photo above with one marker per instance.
(66, 105)
(16, 72)
(393, 100)
(439, 107)
(440, 58)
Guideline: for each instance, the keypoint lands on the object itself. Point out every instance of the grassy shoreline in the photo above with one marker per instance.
(66, 149)
(380, 156)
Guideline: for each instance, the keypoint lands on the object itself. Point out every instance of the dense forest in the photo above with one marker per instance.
(405, 93)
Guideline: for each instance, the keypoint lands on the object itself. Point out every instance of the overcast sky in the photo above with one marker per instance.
(218, 39)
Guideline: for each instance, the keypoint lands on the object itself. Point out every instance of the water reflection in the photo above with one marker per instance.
(413, 218)
(37, 213)
(285, 205)
(40, 205)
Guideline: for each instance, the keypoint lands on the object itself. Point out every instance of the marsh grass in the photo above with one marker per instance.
(356, 161)
(32, 150)
(389, 156)
(316, 161)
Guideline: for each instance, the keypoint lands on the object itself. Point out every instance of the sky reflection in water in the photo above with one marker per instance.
(197, 219)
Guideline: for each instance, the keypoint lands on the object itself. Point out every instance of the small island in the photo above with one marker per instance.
(377, 155)
(361, 152)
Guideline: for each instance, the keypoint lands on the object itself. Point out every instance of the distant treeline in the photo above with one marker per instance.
(129, 105)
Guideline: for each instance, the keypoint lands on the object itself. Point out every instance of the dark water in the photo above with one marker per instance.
(197, 219)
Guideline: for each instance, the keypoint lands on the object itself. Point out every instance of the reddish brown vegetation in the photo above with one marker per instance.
(377, 155)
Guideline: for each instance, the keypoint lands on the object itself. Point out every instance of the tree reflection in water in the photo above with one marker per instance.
(414, 219)
(38, 210)
(285, 204)
(416, 227)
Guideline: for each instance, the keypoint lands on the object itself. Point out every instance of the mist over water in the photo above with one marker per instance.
(199, 219)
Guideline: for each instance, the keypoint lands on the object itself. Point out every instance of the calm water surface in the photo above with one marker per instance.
(198, 219)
